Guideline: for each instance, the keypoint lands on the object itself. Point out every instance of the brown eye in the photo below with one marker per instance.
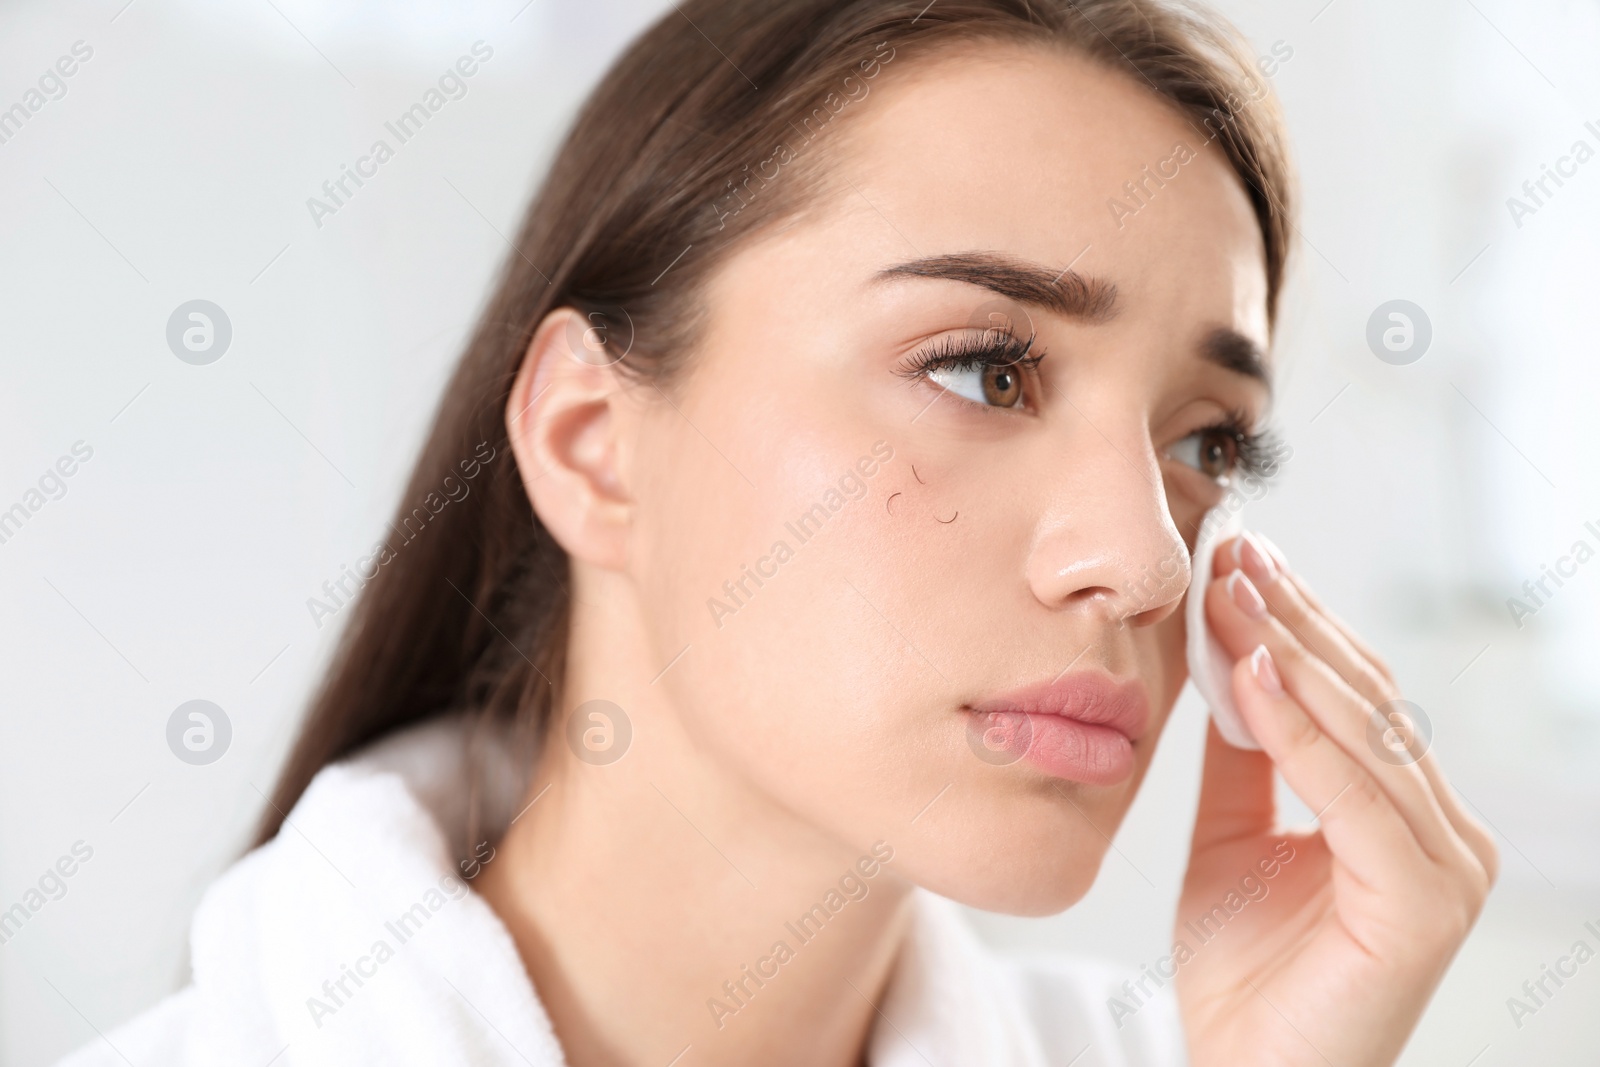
(1002, 386)
(1214, 453)
(989, 368)
(987, 382)
(1218, 453)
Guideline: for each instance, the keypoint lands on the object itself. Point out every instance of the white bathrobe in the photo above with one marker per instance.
(363, 885)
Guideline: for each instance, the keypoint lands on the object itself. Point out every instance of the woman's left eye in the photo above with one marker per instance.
(985, 383)
(1213, 452)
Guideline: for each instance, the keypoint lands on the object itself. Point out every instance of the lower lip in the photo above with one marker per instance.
(1062, 747)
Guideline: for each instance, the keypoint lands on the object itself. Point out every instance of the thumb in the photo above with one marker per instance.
(1236, 793)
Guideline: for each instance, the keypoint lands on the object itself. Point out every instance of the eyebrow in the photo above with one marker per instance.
(1064, 292)
(1073, 295)
(1232, 350)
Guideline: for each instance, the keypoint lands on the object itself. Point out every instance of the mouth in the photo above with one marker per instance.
(1080, 727)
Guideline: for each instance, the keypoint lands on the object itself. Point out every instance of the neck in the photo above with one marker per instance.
(661, 903)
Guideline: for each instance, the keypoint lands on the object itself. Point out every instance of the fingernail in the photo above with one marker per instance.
(1255, 560)
(1244, 594)
(1275, 552)
(1265, 671)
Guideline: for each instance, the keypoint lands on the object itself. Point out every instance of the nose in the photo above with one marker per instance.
(1107, 543)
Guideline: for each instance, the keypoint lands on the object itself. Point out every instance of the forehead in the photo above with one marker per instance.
(1052, 157)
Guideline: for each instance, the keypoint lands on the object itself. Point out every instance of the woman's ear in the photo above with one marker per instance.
(564, 421)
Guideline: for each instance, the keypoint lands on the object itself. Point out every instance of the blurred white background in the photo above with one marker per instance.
(218, 498)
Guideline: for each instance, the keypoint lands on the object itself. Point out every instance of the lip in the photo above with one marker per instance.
(1081, 727)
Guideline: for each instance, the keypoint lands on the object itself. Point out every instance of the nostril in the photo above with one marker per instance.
(1101, 600)
(1155, 592)
(1153, 615)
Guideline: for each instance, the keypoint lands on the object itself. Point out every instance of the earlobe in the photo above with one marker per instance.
(564, 425)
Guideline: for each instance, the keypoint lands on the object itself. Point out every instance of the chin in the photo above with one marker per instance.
(996, 866)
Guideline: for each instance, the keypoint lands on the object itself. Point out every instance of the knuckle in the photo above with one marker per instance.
(1302, 734)
(1489, 857)
(1484, 850)
(1472, 878)
(1450, 913)
(1365, 792)
(1291, 653)
(1292, 607)
(1460, 892)
(1376, 684)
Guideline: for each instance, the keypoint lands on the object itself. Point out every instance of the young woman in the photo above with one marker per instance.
(800, 546)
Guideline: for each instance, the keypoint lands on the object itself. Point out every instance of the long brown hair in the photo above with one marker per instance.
(699, 134)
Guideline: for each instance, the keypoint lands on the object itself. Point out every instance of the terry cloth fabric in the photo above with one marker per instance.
(363, 880)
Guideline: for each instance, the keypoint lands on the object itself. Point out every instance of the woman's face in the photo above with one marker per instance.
(904, 545)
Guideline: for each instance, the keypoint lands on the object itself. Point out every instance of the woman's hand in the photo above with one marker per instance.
(1322, 947)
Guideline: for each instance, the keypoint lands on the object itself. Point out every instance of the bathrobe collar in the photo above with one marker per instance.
(351, 939)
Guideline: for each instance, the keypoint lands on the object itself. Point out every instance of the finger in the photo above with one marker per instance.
(1241, 621)
(1289, 599)
(1356, 640)
(1472, 833)
(1311, 626)
(1359, 819)
(1235, 794)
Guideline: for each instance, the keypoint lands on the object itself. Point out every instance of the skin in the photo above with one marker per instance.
(773, 746)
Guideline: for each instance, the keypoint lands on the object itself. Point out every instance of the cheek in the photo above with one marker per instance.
(1187, 514)
(831, 636)
(1166, 667)
(792, 674)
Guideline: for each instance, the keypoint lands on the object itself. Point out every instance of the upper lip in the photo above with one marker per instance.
(1087, 696)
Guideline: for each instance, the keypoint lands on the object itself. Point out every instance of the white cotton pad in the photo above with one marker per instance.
(1210, 666)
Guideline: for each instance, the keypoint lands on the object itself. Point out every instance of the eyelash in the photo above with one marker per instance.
(1256, 453)
(988, 348)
